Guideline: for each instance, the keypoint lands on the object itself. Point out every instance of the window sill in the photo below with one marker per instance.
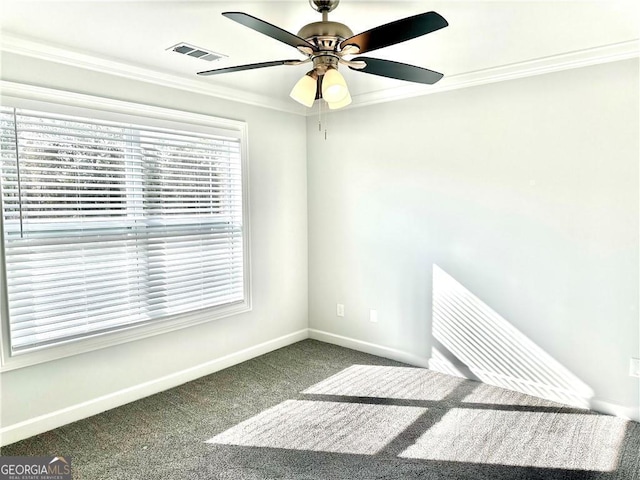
(109, 339)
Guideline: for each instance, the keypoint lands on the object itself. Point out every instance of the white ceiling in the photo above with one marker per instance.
(485, 40)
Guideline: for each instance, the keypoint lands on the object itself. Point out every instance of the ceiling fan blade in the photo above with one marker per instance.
(249, 66)
(396, 32)
(269, 30)
(401, 71)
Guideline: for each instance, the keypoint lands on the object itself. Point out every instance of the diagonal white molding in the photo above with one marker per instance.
(538, 66)
(33, 48)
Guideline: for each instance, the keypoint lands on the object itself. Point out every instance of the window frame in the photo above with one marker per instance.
(57, 101)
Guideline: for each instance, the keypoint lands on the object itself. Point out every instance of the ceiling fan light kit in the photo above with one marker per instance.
(304, 91)
(342, 103)
(327, 43)
(334, 87)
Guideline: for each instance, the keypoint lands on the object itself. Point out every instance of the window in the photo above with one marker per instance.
(110, 225)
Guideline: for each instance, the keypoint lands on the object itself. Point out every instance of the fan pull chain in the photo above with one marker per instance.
(326, 128)
(320, 120)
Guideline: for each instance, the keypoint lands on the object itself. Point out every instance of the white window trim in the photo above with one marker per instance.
(27, 96)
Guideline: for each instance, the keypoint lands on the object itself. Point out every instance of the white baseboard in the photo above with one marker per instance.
(603, 406)
(49, 421)
(371, 348)
(595, 404)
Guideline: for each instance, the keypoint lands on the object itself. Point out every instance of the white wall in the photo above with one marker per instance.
(525, 193)
(514, 206)
(277, 150)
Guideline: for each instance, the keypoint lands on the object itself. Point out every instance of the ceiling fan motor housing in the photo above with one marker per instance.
(325, 35)
(323, 61)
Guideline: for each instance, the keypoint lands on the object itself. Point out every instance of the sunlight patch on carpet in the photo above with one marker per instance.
(403, 383)
(490, 395)
(354, 428)
(526, 439)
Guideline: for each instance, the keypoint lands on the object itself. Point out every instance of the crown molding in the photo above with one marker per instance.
(538, 66)
(35, 49)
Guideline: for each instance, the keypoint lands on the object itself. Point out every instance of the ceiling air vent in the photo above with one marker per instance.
(196, 52)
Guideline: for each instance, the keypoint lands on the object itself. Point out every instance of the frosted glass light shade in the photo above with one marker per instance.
(334, 88)
(304, 91)
(342, 103)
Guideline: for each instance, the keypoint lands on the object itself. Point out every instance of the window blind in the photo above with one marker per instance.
(110, 225)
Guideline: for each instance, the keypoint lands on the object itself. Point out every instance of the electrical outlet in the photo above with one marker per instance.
(634, 367)
(373, 316)
(340, 310)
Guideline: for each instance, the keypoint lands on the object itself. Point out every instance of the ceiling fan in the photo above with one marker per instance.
(327, 43)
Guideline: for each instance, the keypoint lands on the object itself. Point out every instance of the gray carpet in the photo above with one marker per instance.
(317, 411)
